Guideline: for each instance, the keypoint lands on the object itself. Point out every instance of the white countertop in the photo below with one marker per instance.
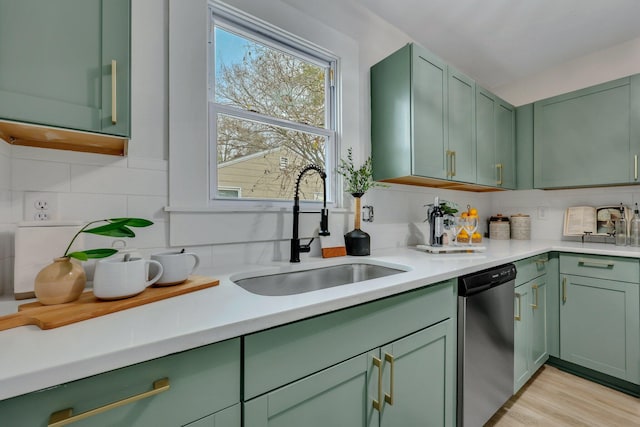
(32, 359)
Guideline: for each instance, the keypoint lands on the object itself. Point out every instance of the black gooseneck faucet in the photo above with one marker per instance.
(296, 247)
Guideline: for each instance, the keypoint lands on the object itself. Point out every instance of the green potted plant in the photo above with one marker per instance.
(357, 182)
(63, 280)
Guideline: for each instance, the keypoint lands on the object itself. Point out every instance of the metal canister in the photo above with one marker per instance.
(521, 227)
(499, 227)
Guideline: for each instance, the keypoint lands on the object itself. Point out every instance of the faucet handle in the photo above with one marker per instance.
(324, 223)
(307, 247)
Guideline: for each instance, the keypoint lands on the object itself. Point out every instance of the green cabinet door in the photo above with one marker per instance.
(429, 114)
(530, 330)
(419, 378)
(522, 341)
(524, 147)
(538, 335)
(56, 61)
(505, 144)
(495, 136)
(462, 127)
(342, 395)
(487, 172)
(582, 138)
(599, 325)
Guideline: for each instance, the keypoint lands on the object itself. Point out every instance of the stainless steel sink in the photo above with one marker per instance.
(298, 282)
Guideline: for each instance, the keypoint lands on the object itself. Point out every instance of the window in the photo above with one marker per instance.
(271, 112)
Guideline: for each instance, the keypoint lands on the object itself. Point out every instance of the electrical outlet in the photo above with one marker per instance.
(40, 206)
(542, 212)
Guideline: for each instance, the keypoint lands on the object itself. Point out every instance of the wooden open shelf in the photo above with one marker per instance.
(61, 139)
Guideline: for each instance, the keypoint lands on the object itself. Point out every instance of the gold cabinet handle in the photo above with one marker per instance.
(519, 316)
(564, 289)
(114, 91)
(534, 288)
(499, 166)
(449, 164)
(596, 264)
(65, 416)
(453, 163)
(377, 403)
(635, 167)
(388, 397)
(541, 261)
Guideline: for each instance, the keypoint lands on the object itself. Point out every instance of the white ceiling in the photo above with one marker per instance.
(498, 42)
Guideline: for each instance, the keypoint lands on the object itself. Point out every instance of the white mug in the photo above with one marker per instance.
(116, 278)
(177, 266)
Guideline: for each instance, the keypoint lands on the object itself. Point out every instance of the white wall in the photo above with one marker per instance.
(608, 64)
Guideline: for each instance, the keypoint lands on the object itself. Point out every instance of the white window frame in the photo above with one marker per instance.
(192, 218)
(254, 29)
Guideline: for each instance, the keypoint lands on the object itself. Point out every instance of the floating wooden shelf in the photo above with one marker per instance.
(61, 139)
(441, 183)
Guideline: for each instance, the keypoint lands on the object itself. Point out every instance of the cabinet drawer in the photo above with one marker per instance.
(601, 267)
(530, 268)
(201, 381)
(281, 355)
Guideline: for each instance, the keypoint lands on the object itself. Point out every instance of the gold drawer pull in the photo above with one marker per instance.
(65, 416)
(114, 91)
(535, 291)
(519, 316)
(388, 397)
(596, 264)
(377, 403)
(541, 262)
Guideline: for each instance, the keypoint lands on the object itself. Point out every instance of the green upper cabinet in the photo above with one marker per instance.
(524, 145)
(589, 137)
(65, 63)
(495, 136)
(431, 125)
(408, 115)
(461, 150)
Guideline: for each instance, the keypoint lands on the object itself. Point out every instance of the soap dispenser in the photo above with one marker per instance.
(634, 237)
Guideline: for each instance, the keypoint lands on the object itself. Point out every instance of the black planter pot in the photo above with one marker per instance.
(357, 243)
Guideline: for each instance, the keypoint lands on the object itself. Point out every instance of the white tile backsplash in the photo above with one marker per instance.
(36, 175)
(90, 207)
(149, 207)
(5, 172)
(108, 180)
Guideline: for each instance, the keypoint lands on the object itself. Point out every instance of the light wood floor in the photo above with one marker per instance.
(556, 398)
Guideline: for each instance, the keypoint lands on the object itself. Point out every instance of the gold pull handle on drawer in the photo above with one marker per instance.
(596, 264)
(377, 404)
(114, 91)
(388, 397)
(534, 288)
(65, 416)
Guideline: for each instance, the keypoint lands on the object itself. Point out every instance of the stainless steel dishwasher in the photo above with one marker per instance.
(485, 343)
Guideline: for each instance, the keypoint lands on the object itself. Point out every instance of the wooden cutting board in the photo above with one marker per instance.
(88, 306)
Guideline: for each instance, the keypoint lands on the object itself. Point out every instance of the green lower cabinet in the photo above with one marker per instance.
(230, 417)
(193, 384)
(600, 325)
(419, 377)
(530, 332)
(406, 383)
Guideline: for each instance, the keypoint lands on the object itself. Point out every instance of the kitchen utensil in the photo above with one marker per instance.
(117, 278)
(176, 266)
